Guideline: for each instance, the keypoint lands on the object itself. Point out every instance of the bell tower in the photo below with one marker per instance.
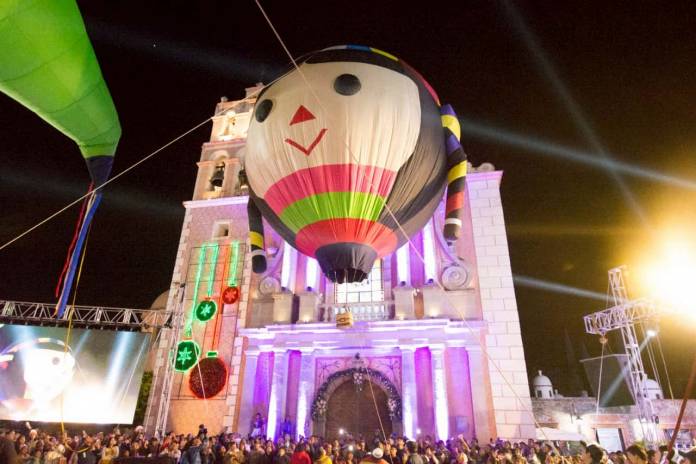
(199, 359)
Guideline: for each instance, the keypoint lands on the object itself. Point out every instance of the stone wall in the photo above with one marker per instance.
(504, 353)
(578, 414)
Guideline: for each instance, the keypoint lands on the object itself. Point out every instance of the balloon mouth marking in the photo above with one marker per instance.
(308, 150)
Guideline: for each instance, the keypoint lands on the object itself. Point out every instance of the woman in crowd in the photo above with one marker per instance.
(110, 451)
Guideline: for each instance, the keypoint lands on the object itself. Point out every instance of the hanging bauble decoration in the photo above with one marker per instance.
(208, 378)
(205, 310)
(186, 355)
(230, 295)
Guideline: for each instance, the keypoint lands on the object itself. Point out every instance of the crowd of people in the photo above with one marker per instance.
(34, 446)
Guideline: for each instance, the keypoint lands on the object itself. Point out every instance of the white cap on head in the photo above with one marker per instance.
(377, 453)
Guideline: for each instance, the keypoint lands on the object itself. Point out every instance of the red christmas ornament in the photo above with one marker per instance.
(210, 380)
(230, 295)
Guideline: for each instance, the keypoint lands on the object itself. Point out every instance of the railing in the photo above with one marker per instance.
(373, 311)
(84, 316)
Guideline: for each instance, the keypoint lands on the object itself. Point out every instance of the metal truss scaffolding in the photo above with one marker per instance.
(624, 316)
(92, 317)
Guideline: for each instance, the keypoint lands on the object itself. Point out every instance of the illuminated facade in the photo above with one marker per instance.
(435, 348)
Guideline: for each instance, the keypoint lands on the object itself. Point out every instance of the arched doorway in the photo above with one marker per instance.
(354, 411)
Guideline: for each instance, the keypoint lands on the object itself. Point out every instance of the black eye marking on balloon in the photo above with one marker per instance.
(347, 84)
(263, 109)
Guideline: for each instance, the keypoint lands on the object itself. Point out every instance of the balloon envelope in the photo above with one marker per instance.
(48, 65)
(348, 167)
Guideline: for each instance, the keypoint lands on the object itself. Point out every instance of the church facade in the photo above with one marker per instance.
(434, 347)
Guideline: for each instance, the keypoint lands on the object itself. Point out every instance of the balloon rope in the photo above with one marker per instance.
(70, 319)
(664, 363)
(599, 382)
(94, 201)
(526, 407)
(250, 97)
(72, 244)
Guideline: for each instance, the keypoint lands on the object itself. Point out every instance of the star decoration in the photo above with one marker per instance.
(184, 355)
(187, 352)
(205, 310)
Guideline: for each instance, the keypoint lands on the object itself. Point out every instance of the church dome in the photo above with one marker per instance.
(541, 381)
(653, 389)
(542, 386)
(161, 301)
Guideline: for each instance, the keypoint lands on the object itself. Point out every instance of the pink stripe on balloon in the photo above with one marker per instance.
(346, 230)
(328, 178)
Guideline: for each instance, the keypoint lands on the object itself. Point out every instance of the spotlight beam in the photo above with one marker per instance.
(543, 147)
(554, 287)
(576, 113)
(224, 63)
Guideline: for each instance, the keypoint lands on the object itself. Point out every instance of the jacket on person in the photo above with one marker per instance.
(300, 457)
(192, 455)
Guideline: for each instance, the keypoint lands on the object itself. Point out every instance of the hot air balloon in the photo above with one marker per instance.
(348, 156)
(48, 65)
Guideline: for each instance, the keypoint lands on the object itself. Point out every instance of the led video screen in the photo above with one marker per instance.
(94, 377)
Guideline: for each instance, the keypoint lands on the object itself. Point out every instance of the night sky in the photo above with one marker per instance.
(584, 77)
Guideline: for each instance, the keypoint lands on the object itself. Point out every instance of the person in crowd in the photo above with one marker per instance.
(594, 455)
(110, 451)
(281, 456)
(688, 457)
(192, 454)
(233, 455)
(258, 454)
(413, 456)
(300, 456)
(36, 446)
(207, 456)
(172, 451)
(257, 426)
(323, 457)
(636, 454)
(7, 450)
(376, 457)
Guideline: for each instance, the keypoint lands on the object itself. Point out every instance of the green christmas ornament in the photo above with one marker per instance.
(186, 355)
(205, 310)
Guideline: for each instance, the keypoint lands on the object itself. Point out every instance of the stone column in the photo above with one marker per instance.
(246, 409)
(433, 301)
(409, 393)
(440, 392)
(309, 307)
(305, 394)
(276, 403)
(404, 306)
(282, 307)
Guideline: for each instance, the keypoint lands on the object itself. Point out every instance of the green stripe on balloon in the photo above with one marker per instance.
(332, 205)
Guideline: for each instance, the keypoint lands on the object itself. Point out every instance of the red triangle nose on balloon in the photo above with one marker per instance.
(301, 115)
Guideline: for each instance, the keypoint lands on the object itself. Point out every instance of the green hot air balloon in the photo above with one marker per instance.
(48, 65)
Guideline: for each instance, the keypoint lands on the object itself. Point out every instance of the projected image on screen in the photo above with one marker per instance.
(94, 378)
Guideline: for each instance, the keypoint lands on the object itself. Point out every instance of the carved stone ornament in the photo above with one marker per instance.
(455, 277)
(269, 285)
